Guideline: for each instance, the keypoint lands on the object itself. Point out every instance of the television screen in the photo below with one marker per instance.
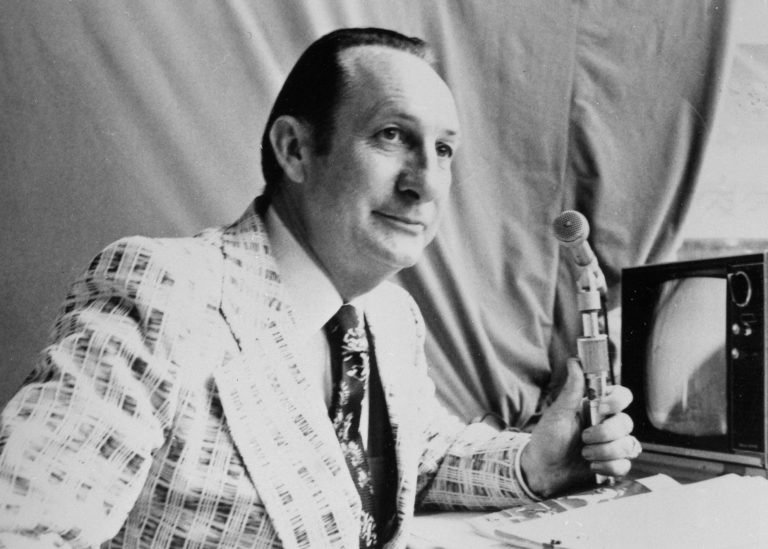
(686, 370)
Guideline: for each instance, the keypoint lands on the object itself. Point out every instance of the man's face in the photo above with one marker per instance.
(372, 204)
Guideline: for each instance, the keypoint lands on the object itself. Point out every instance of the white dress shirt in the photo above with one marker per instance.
(313, 300)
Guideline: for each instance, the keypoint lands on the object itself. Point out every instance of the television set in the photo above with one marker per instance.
(693, 353)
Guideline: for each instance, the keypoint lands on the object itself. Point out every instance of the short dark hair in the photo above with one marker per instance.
(312, 90)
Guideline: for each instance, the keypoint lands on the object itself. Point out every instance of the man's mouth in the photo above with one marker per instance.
(410, 224)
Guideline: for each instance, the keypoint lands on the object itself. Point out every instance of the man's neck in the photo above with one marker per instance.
(349, 285)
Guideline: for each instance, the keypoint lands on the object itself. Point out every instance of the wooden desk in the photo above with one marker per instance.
(723, 512)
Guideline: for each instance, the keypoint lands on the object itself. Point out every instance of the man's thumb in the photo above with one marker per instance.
(572, 392)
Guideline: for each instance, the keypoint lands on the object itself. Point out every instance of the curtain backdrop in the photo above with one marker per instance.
(128, 117)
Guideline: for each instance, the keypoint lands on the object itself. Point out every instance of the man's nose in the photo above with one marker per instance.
(422, 177)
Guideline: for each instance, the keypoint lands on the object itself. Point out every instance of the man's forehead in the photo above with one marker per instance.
(368, 63)
(384, 77)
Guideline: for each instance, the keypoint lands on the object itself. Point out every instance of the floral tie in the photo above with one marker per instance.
(350, 364)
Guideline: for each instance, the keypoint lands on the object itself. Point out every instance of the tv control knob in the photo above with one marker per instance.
(740, 288)
(746, 329)
(741, 328)
(735, 354)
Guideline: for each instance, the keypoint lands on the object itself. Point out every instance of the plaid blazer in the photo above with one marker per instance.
(169, 411)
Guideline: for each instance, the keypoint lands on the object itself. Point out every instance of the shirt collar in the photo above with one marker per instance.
(311, 294)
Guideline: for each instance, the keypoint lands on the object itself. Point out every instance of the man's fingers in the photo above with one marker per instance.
(611, 428)
(616, 399)
(615, 468)
(572, 391)
(624, 448)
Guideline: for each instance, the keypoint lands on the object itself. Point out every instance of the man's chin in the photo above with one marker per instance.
(398, 254)
(402, 259)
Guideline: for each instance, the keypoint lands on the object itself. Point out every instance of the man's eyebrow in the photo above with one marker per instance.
(390, 108)
(398, 113)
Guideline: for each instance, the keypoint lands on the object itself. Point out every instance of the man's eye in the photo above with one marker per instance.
(443, 150)
(391, 134)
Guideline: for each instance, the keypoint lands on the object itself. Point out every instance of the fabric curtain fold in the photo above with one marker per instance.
(145, 117)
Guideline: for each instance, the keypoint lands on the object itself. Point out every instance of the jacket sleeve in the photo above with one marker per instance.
(472, 467)
(77, 439)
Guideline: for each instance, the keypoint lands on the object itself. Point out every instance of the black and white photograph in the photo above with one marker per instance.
(402, 274)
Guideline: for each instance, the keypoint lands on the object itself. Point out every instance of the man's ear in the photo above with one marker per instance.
(290, 140)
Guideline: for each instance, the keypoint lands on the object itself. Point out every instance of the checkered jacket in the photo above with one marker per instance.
(169, 410)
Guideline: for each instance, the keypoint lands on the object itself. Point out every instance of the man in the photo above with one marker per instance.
(185, 397)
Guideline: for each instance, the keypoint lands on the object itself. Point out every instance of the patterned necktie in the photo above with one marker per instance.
(350, 363)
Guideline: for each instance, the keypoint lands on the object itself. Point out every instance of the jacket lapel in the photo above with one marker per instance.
(281, 430)
(395, 347)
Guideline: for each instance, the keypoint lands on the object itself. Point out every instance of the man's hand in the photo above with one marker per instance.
(560, 455)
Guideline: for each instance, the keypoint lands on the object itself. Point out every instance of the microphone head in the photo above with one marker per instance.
(571, 227)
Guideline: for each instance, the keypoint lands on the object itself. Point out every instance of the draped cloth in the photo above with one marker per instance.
(144, 117)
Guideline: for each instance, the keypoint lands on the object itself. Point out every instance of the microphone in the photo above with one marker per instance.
(572, 230)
